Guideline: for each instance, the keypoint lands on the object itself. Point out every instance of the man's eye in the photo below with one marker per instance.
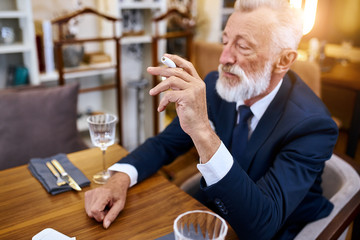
(243, 47)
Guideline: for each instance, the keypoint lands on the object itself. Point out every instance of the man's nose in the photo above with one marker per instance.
(227, 55)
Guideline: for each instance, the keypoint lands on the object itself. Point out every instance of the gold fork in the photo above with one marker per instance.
(59, 180)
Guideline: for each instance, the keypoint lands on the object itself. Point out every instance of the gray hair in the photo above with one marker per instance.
(287, 32)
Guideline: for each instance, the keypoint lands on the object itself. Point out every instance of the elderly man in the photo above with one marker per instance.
(262, 135)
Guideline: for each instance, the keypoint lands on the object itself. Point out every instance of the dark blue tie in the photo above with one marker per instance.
(241, 133)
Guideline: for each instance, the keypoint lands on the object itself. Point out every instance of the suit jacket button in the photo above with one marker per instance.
(217, 201)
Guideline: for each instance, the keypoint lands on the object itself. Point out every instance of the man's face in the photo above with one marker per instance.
(246, 62)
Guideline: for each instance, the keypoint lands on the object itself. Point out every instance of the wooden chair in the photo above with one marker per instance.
(63, 41)
(206, 56)
(341, 185)
(185, 24)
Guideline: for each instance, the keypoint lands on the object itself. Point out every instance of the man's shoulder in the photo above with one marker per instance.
(302, 97)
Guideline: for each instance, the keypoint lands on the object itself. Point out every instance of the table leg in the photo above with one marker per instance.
(354, 129)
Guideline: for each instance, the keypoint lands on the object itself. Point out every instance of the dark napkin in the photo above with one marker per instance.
(41, 172)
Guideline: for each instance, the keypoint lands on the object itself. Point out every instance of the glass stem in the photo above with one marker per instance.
(104, 164)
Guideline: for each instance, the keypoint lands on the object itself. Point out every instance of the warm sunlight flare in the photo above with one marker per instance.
(309, 10)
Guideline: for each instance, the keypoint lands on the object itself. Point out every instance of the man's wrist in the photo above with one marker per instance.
(206, 143)
(126, 168)
(118, 178)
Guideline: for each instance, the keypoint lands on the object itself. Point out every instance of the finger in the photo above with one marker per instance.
(98, 206)
(89, 202)
(168, 72)
(98, 214)
(173, 83)
(113, 213)
(183, 64)
(169, 97)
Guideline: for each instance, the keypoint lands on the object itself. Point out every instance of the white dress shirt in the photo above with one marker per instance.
(221, 162)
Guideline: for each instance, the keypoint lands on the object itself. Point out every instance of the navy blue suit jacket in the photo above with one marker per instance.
(274, 190)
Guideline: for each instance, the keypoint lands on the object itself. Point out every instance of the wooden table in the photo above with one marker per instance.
(347, 77)
(26, 208)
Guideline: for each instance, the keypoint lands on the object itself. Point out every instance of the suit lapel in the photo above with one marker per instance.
(267, 123)
(226, 120)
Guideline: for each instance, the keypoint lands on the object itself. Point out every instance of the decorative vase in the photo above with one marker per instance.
(72, 55)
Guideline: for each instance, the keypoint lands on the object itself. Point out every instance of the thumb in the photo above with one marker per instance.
(113, 213)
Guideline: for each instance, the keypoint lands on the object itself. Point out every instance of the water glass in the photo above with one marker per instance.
(200, 225)
(102, 132)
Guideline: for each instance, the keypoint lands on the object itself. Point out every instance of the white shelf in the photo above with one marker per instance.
(136, 39)
(12, 14)
(54, 76)
(14, 48)
(19, 16)
(140, 5)
(49, 77)
(82, 124)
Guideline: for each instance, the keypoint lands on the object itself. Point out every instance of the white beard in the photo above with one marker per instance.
(247, 88)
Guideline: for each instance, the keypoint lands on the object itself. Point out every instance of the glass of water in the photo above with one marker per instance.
(102, 132)
(200, 225)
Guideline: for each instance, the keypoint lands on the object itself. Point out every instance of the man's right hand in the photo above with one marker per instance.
(105, 203)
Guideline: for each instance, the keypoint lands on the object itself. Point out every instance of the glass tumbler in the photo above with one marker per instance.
(200, 225)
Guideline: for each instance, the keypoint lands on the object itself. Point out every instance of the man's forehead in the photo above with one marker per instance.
(251, 25)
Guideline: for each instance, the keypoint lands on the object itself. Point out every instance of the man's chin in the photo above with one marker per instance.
(227, 92)
(229, 80)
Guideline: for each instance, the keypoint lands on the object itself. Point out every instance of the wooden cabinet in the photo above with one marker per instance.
(17, 40)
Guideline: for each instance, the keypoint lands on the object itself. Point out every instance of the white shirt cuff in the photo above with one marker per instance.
(218, 166)
(125, 168)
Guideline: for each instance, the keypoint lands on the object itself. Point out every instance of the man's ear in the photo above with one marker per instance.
(286, 59)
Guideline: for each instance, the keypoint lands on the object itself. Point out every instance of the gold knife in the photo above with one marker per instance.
(65, 175)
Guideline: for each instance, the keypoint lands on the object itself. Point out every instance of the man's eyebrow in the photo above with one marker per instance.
(246, 37)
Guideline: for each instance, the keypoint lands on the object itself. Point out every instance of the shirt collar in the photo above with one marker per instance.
(259, 107)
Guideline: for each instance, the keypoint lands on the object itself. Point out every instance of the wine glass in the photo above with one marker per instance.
(102, 132)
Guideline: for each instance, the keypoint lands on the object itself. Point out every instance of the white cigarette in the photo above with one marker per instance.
(168, 62)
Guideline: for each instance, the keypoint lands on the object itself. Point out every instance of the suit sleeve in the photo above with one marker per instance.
(257, 210)
(160, 150)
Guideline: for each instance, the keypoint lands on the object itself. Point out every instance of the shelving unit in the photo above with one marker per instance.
(134, 68)
(226, 9)
(54, 76)
(76, 44)
(22, 52)
(225, 12)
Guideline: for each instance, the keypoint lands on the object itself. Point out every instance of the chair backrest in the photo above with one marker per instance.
(206, 56)
(38, 122)
(184, 31)
(341, 185)
(310, 73)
